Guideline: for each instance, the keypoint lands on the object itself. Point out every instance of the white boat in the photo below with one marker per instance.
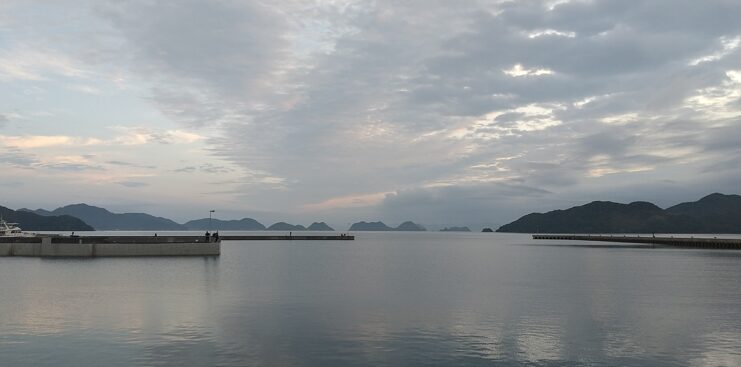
(12, 230)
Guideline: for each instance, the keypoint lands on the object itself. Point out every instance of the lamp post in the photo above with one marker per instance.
(209, 219)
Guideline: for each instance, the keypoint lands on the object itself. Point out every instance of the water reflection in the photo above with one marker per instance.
(388, 299)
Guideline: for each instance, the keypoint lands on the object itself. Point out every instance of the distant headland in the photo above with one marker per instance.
(715, 213)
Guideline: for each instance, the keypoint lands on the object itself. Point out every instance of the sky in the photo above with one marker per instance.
(441, 112)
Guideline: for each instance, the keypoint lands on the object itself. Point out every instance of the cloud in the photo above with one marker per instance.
(43, 141)
(473, 203)
(518, 70)
(127, 136)
(209, 168)
(36, 65)
(141, 135)
(212, 168)
(187, 169)
(132, 184)
(71, 167)
(17, 158)
(350, 201)
(129, 164)
(394, 78)
(328, 105)
(87, 89)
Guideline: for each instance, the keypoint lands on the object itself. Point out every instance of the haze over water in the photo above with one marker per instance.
(385, 299)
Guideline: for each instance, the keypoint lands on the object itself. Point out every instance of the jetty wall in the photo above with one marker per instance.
(119, 246)
(49, 249)
(686, 242)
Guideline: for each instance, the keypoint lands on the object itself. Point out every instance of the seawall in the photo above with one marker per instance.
(120, 246)
(102, 246)
(88, 249)
(686, 242)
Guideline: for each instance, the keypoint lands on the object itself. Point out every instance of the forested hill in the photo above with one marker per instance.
(715, 213)
(29, 221)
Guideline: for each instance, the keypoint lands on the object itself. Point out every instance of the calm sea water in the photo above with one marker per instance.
(393, 299)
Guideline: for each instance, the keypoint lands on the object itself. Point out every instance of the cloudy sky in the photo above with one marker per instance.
(442, 112)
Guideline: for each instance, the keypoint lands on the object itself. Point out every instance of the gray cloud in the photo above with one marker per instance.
(187, 169)
(72, 167)
(208, 168)
(132, 184)
(202, 54)
(17, 158)
(460, 204)
(129, 164)
(11, 184)
(432, 99)
(359, 114)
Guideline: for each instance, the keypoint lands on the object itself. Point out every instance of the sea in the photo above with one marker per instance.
(385, 299)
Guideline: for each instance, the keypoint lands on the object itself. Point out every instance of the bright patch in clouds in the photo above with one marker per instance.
(518, 71)
(40, 141)
(551, 32)
(130, 136)
(620, 119)
(26, 64)
(728, 46)
(350, 201)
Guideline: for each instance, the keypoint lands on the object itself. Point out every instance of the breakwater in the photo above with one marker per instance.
(685, 242)
(340, 237)
(123, 246)
(102, 246)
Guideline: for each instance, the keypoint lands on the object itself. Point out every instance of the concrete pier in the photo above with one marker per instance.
(300, 237)
(107, 246)
(119, 246)
(685, 242)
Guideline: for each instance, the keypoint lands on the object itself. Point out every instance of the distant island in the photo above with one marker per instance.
(407, 226)
(319, 226)
(370, 226)
(283, 226)
(715, 213)
(103, 220)
(487, 230)
(455, 229)
(30, 221)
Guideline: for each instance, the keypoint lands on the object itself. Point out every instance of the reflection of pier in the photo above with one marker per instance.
(687, 242)
(118, 246)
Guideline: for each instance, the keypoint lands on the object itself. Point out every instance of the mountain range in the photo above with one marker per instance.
(34, 222)
(103, 220)
(715, 213)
